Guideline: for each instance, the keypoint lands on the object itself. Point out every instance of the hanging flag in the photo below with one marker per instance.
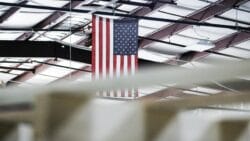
(114, 51)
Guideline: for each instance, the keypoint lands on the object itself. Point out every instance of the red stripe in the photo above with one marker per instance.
(129, 64)
(122, 66)
(114, 73)
(107, 49)
(136, 62)
(129, 73)
(107, 45)
(93, 46)
(136, 93)
(122, 93)
(136, 69)
(100, 46)
(129, 93)
(122, 74)
(115, 93)
(115, 62)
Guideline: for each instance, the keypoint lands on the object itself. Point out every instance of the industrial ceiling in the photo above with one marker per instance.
(44, 42)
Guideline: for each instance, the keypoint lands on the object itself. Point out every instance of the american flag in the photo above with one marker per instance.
(114, 51)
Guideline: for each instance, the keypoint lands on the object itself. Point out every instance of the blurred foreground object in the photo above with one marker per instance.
(71, 113)
(59, 116)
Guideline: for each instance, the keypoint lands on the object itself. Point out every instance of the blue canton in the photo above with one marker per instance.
(125, 37)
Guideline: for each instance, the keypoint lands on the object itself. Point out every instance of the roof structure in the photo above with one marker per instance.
(43, 42)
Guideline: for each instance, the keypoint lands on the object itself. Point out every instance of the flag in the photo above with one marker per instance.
(114, 51)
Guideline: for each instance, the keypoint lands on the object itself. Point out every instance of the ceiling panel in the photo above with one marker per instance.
(56, 71)
(6, 77)
(128, 8)
(236, 52)
(143, 31)
(206, 90)
(195, 64)
(153, 56)
(213, 58)
(85, 77)
(5, 35)
(244, 45)
(245, 6)
(39, 79)
(236, 14)
(182, 40)
(72, 39)
(175, 9)
(166, 48)
(193, 4)
(17, 20)
(210, 33)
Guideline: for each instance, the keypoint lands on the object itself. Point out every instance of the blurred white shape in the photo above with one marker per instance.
(25, 132)
(201, 45)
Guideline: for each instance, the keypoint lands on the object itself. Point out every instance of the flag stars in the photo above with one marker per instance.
(125, 37)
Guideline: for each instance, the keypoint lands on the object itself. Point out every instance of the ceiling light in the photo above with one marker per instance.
(201, 45)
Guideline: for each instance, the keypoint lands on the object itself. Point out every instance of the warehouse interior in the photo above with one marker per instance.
(193, 72)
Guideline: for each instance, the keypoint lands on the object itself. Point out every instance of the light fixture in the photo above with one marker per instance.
(151, 55)
(201, 45)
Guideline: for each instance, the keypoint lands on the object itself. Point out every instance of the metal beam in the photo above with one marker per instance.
(10, 12)
(145, 10)
(221, 44)
(86, 42)
(16, 68)
(53, 17)
(74, 75)
(28, 75)
(16, 107)
(240, 85)
(59, 66)
(231, 40)
(142, 11)
(202, 15)
(18, 64)
(184, 22)
(53, 50)
(149, 4)
(134, 3)
(43, 49)
(50, 28)
(232, 20)
(164, 94)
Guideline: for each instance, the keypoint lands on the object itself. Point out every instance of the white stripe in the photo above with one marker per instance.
(132, 72)
(132, 64)
(104, 69)
(104, 93)
(133, 92)
(97, 49)
(98, 93)
(125, 67)
(104, 48)
(118, 66)
(118, 69)
(125, 71)
(111, 60)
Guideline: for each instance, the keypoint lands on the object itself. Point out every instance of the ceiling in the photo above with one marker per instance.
(171, 43)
